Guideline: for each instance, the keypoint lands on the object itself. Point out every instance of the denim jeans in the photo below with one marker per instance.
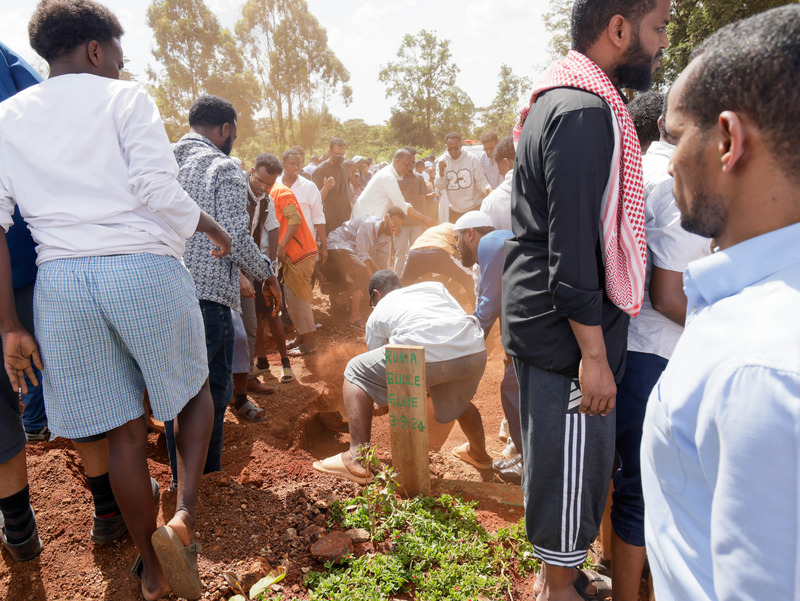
(219, 345)
(642, 371)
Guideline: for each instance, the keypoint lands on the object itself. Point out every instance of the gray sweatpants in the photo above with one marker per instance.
(567, 470)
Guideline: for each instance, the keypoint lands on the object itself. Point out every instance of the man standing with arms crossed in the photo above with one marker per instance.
(577, 181)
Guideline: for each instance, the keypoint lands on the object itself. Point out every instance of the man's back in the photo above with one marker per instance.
(102, 206)
(555, 206)
(382, 191)
(425, 314)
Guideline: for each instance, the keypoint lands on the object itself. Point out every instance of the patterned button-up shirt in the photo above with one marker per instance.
(217, 184)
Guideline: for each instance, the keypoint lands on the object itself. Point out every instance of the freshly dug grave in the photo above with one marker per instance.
(267, 486)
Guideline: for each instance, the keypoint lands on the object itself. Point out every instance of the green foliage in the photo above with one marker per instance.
(692, 22)
(198, 56)
(423, 82)
(695, 20)
(286, 48)
(501, 115)
(556, 21)
(436, 550)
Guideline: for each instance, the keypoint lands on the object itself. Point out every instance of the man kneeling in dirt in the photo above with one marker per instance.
(455, 357)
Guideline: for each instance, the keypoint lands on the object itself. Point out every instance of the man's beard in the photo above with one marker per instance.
(227, 146)
(636, 70)
(708, 215)
(337, 161)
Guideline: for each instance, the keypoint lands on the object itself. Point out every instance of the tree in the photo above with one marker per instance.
(423, 82)
(287, 49)
(501, 115)
(198, 56)
(556, 21)
(692, 22)
(695, 20)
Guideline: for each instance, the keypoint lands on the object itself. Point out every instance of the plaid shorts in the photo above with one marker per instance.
(108, 327)
(451, 384)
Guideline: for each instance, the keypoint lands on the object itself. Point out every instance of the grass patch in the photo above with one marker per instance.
(432, 549)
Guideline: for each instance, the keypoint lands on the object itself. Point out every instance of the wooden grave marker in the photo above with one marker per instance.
(405, 381)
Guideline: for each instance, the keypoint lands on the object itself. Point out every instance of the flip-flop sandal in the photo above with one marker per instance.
(287, 375)
(601, 583)
(251, 412)
(358, 325)
(178, 562)
(335, 466)
(460, 452)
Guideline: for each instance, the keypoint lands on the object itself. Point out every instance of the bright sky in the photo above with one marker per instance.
(365, 36)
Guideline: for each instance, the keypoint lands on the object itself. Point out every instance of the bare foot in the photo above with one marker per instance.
(154, 583)
(353, 466)
(183, 525)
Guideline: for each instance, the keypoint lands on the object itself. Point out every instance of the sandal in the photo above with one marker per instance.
(585, 578)
(359, 324)
(178, 562)
(251, 412)
(287, 375)
(299, 351)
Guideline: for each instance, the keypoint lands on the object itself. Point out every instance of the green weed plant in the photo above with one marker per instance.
(431, 549)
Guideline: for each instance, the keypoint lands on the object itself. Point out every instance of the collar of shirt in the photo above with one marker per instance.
(252, 197)
(393, 171)
(664, 149)
(729, 271)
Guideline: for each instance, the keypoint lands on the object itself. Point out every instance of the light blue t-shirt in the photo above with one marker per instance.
(721, 442)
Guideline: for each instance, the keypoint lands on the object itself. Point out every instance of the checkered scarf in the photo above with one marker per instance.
(622, 211)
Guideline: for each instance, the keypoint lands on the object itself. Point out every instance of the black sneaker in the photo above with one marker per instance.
(42, 435)
(107, 530)
(26, 550)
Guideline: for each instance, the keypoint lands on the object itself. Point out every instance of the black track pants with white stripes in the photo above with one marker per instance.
(568, 461)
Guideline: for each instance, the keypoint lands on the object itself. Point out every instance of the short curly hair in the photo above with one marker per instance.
(60, 26)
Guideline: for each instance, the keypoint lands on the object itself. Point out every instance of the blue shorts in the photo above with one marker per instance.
(107, 328)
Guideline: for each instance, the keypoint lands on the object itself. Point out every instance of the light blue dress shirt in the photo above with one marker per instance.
(721, 444)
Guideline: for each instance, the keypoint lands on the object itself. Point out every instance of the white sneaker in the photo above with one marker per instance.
(510, 450)
(504, 432)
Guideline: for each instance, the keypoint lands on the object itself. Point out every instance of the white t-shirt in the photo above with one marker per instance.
(669, 247)
(425, 314)
(382, 193)
(310, 199)
(498, 204)
(88, 162)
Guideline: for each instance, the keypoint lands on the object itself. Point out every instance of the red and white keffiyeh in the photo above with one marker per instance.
(622, 212)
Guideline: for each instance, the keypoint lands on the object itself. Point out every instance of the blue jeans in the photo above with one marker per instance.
(642, 371)
(219, 345)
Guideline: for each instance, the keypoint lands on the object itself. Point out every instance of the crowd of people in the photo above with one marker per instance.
(640, 258)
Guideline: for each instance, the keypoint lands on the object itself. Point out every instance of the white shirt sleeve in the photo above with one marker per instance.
(152, 169)
(671, 247)
(392, 189)
(6, 207)
(317, 213)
